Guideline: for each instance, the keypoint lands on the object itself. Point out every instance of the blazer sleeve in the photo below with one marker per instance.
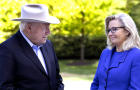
(135, 73)
(60, 85)
(7, 67)
(95, 83)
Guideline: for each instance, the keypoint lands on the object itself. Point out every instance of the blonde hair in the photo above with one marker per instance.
(133, 39)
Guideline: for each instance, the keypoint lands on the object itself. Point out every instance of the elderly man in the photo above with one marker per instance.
(27, 59)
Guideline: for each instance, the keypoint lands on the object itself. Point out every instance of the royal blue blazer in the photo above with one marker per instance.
(121, 75)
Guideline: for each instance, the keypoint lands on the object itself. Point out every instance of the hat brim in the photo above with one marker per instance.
(50, 19)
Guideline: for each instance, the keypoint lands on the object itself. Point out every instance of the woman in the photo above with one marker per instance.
(119, 64)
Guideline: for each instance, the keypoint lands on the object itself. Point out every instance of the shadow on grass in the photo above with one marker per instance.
(79, 69)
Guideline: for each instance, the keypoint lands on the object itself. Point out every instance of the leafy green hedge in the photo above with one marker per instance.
(69, 47)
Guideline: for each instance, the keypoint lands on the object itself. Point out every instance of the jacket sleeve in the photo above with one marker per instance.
(7, 68)
(95, 83)
(135, 73)
(60, 85)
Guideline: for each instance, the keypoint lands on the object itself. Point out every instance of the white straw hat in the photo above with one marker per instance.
(36, 13)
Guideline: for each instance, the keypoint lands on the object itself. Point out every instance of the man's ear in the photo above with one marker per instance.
(28, 27)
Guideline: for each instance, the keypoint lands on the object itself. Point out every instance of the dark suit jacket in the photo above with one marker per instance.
(20, 68)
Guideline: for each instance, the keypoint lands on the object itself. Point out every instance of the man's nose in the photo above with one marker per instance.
(47, 31)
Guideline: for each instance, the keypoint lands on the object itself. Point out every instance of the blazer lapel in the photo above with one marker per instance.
(28, 51)
(114, 64)
(45, 52)
(107, 60)
(121, 60)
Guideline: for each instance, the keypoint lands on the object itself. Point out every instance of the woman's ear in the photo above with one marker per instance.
(127, 33)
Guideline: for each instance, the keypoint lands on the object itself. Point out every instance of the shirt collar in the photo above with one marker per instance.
(29, 42)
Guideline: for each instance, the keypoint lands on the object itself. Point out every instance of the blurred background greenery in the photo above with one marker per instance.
(80, 37)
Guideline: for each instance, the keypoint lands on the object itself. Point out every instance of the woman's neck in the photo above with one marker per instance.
(119, 48)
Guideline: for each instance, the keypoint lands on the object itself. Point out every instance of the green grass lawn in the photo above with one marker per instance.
(75, 70)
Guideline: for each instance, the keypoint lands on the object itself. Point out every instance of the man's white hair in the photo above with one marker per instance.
(22, 25)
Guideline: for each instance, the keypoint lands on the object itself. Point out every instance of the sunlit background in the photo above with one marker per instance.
(80, 37)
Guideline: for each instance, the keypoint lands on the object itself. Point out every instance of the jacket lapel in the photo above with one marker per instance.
(28, 51)
(45, 51)
(108, 58)
(114, 64)
(46, 58)
(118, 62)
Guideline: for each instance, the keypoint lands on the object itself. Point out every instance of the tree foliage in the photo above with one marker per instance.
(81, 20)
(74, 15)
(89, 15)
(133, 8)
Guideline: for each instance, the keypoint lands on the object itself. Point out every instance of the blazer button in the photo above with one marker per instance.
(104, 86)
(106, 79)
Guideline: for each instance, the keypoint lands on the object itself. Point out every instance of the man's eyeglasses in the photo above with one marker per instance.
(113, 29)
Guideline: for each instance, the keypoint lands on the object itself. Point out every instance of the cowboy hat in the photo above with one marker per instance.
(36, 13)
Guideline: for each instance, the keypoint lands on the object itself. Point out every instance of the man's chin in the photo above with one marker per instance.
(41, 43)
(44, 41)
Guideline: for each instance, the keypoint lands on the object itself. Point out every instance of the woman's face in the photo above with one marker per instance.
(116, 32)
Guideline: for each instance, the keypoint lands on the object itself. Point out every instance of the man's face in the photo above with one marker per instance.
(38, 32)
